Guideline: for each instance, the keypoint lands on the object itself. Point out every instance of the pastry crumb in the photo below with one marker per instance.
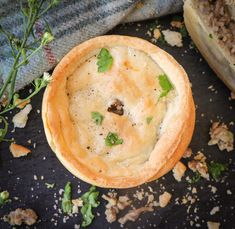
(21, 118)
(221, 136)
(213, 225)
(18, 150)
(164, 199)
(20, 216)
(214, 210)
(177, 24)
(179, 170)
(173, 38)
(188, 153)
(115, 204)
(157, 33)
(198, 164)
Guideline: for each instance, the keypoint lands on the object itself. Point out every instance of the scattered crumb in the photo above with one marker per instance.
(229, 192)
(199, 164)
(194, 190)
(177, 24)
(173, 38)
(188, 153)
(19, 216)
(18, 150)
(139, 194)
(221, 136)
(76, 226)
(157, 33)
(213, 225)
(214, 210)
(115, 204)
(20, 119)
(179, 170)
(164, 199)
(133, 215)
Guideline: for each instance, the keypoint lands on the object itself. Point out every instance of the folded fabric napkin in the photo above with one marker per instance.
(72, 22)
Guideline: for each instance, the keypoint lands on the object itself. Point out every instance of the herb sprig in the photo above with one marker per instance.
(22, 49)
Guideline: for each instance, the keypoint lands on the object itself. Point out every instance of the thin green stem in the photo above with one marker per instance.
(28, 57)
(22, 101)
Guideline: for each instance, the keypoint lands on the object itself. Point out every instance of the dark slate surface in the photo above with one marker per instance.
(17, 175)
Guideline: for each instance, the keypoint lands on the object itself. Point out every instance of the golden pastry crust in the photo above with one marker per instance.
(65, 137)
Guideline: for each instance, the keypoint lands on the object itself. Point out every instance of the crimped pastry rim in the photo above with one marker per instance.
(169, 148)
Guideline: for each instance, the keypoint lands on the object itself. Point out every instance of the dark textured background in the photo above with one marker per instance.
(17, 175)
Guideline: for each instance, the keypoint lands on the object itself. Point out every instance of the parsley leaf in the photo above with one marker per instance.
(165, 85)
(195, 178)
(105, 60)
(89, 201)
(4, 198)
(149, 119)
(112, 139)
(66, 200)
(97, 118)
(216, 169)
(210, 36)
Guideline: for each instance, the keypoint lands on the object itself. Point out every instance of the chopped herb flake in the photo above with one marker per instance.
(165, 85)
(4, 198)
(105, 60)
(195, 178)
(97, 117)
(149, 119)
(66, 200)
(216, 169)
(210, 36)
(183, 31)
(112, 139)
(50, 185)
(89, 201)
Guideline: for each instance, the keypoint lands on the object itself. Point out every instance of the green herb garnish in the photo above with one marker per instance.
(48, 185)
(165, 85)
(4, 198)
(183, 31)
(89, 201)
(112, 139)
(210, 36)
(105, 60)
(216, 169)
(97, 118)
(67, 199)
(149, 119)
(195, 178)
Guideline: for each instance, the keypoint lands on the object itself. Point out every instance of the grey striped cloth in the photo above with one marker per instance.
(72, 22)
